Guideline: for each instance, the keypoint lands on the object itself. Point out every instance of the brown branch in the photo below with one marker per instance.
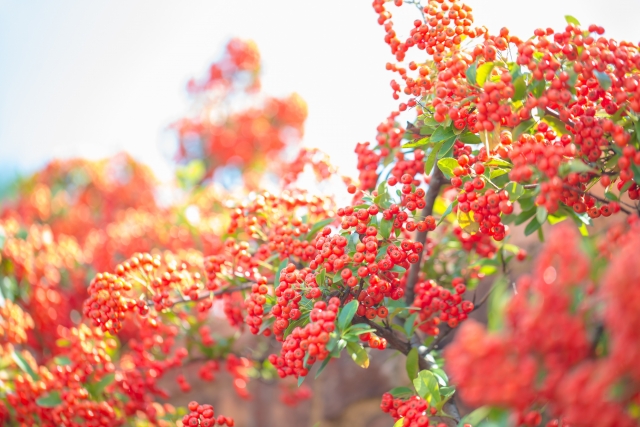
(555, 114)
(227, 290)
(437, 181)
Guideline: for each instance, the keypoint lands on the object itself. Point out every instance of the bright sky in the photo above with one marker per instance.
(90, 78)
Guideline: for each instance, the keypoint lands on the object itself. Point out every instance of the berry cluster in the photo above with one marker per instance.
(437, 304)
(307, 344)
(203, 415)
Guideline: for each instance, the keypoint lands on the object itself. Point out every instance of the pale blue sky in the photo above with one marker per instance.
(91, 78)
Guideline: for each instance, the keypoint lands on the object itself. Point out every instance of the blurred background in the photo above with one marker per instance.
(91, 79)
(94, 78)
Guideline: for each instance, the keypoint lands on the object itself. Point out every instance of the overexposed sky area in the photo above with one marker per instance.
(91, 78)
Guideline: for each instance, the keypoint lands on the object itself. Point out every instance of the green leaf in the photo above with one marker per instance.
(442, 376)
(401, 392)
(541, 214)
(446, 147)
(318, 226)
(49, 400)
(321, 277)
(474, 418)
(409, 324)
(519, 89)
(532, 227)
(431, 160)
(442, 134)
(99, 387)
(23, 365)
(426, 386)
(412, 365)
(495, 173)
(398, 269)
(537, 88)
(571, 20)
(522, 128)
(358, 354)
(346, 314)
(499, 162)
(62, 360)
(399, 423)
(417, 143)
(525, 215)
(603, 79)
(324, 364)
(447, 211)
(385, 228)
(281, 267)
(301, 380)
(575, 165)
(296, 323)
(469, 138)
(556, 124)
(471, 73)
(266, 324)
(483, 73)
(447, 165)
(515, 190)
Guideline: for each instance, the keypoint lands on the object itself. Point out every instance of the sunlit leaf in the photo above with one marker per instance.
(412, 364)
(466, 222)
(483, 73)
(571, 20)
(358, 354)
(447, 165)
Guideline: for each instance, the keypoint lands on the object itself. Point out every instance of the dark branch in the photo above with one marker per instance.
(437, 181)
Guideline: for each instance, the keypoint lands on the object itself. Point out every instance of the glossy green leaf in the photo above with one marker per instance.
(483, 73)
(447, 211)
(522, 128)
(281, 267)
(412, 364)
(541, 214)
(62, 360)
(575, 166)
(346, 314)
(358, 354)
(532, 226)
(519, 89)
(469, 138)
(496, 303)
(514, 190)
(431, 160)
(324, 364)
(603, 79)
(409, 324)
(447, 165)
(426, 386)
(385, 228)
(401, 392)
(571, 20)
(471, 73)
(417, 143)
(474, 418)
(537, 88)
(442, 134)
(446, 147)
(23, 365)
(499, 162)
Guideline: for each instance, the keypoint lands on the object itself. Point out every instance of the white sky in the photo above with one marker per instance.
(92, 78)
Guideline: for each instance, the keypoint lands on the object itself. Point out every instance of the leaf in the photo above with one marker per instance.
(537, 88)
(400, 392)
(495, 173)
(325, 362)
(282, 265)
(346, 314)
(447, 165)
(417, 143)
(318, 226)
(321, 277)
(446, 147)
(99, 387)
(442, 376)
(385, 228)
(301, 380)
(49, 400)
(358, 354)
(442, 134)
(519, 89)
(447, 211)
(556, 124)
(409, 324)
(525, 215)
(426, 386)
(62, 360)
(499, 162)
(24, 365)
(474, 418)
(575, 165)
(466, 222)
(483, 73)
(412, 364)
(399, 423)
(469, 138)
(471, 73)
(541, 214)
(428, 165)
(603, 79)
(571, 20)
(522, 128)
(532, 227)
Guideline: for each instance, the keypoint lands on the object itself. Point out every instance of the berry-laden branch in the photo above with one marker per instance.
(437, 181)
(227, 290)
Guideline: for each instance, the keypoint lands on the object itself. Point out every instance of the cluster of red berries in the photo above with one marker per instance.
(203, 415)
(414, 410)
(288, 296)
(307, 342)
(373, 340)
(255, 305)
(437, 304)
(476, 242)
